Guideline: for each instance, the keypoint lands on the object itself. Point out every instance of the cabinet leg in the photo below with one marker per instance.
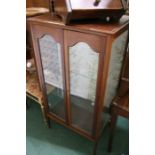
(48, 123)
(112, 128)
(95, 148)
(46, 120)
(27, 105)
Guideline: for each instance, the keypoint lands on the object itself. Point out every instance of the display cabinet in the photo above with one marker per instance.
(78, 67)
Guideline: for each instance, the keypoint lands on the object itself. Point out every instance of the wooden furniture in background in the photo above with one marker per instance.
(34, 8)
(120, 103)
(37, 3)
(75, 66)
(35, 11)
(31, 12)
(108, 10)
(33, 89)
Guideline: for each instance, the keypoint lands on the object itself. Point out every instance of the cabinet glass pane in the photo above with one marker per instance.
(50, 52)
(83, 77)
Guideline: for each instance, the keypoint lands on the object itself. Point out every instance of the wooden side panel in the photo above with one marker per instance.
(115, 65)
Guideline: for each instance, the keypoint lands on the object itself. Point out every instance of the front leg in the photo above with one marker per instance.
(46, 119)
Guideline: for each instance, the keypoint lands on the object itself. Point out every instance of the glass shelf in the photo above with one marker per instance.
(82, 113)
(55, 101)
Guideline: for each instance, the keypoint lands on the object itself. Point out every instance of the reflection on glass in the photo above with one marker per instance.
(52, 68)
(83, 77)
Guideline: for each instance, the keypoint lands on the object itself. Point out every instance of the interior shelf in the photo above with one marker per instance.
(82, 110)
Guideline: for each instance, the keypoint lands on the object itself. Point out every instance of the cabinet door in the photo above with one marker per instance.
(48, 44)
(82, 56)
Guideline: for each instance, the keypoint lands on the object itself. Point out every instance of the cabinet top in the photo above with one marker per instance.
(97, 27)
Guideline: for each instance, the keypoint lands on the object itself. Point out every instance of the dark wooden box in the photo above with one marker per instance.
(108, 10)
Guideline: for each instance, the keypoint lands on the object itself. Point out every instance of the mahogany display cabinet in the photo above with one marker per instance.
(78, 67)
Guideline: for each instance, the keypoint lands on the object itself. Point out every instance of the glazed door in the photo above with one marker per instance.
(83, 53)
(48, 43)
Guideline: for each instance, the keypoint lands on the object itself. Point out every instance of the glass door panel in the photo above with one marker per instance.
(83, 63)
(50, 52)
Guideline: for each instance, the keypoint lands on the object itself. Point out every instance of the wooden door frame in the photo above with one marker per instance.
(36, 35)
